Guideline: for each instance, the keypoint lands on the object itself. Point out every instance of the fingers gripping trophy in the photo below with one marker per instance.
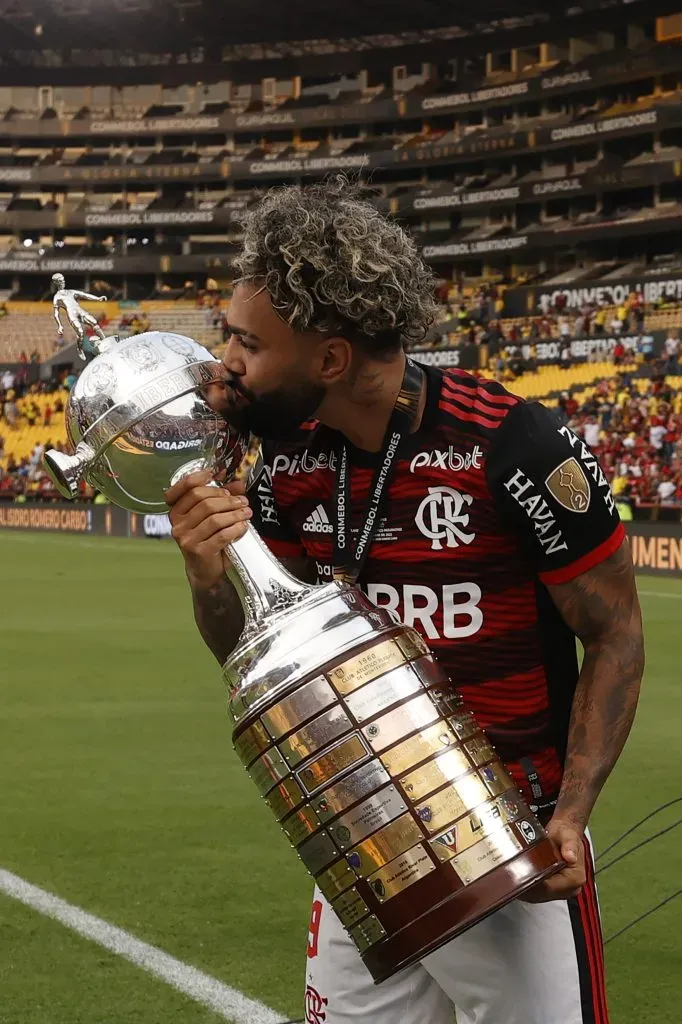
(79, 318)
(373, 768)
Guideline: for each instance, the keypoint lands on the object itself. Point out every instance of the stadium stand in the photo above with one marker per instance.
(634, 421)
(30, 327)
(541, 180)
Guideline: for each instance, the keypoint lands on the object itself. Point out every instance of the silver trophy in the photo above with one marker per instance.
(79, 318)
(392, 796)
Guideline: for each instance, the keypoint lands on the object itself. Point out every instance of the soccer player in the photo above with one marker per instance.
(492, 531)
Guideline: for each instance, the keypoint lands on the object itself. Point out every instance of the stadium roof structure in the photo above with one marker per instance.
(273, 27)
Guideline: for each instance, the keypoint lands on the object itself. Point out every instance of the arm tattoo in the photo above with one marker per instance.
(602, 609)
(219, 615)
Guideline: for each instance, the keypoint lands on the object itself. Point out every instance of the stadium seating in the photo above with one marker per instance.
(550, 381)
(22, 332)
(30, 326)
(428, 159)
(20, 440)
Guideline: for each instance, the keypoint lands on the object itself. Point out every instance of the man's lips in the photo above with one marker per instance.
(234, 395)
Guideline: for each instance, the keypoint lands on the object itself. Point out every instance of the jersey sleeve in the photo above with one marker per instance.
(269, 518)
(549, 487)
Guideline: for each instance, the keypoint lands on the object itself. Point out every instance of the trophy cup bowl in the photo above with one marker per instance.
(137, 420)
(392, 796)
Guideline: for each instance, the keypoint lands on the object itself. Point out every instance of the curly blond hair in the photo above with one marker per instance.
(331, 262)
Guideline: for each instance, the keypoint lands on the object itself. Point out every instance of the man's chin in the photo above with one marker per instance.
(236, 417)
(269, 431)
(265, 429)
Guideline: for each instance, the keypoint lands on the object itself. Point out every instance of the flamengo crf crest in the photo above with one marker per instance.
(442, 518)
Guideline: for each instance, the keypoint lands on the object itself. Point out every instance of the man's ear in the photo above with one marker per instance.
(336, 360)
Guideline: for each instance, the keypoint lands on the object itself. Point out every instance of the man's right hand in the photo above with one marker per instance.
(204, 519)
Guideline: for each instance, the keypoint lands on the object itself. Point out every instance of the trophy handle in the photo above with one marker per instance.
(67, 471)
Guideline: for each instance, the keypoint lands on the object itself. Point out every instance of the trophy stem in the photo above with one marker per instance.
(262, 583)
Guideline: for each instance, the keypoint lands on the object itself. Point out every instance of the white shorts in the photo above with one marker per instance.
(529, 963)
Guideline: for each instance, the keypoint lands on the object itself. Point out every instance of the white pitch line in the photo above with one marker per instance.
(658, 593)
(202, 988)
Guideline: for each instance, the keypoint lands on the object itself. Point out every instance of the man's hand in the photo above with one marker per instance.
(60, 330)
(102, 298)
(204, 519)
(570, 880)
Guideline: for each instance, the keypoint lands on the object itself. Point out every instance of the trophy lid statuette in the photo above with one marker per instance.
(66, 299)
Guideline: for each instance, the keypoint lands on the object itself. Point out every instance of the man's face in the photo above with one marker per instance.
(273, 373)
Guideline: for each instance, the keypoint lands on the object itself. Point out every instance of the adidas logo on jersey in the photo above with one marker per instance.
(317, 522)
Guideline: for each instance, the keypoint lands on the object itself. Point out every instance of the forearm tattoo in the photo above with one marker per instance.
(602, 608)
(219, 617)
(219, 614)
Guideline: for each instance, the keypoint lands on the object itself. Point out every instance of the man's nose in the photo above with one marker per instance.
(232, 357)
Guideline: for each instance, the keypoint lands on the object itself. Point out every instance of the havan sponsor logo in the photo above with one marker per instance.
(589, 461)
(523, 491)
(268, 507)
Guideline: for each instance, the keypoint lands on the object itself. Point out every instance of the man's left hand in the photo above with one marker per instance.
(570, 880)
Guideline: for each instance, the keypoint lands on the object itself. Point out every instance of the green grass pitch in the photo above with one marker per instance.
(121, 794)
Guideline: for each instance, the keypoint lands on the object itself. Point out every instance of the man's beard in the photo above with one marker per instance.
(274, 416)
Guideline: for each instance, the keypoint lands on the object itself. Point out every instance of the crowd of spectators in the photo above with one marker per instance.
(592, 319)
(134, 322)
(475, 317)
(30, 403)
(636, 432)
(637, 435)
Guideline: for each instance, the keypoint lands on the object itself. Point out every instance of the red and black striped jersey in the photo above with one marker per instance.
(492, 499)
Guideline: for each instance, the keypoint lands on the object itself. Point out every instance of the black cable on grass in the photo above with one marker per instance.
(641, 917)
(630, 830)
(637, 846)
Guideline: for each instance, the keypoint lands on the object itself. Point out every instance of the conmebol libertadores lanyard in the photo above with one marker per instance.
(348, 563)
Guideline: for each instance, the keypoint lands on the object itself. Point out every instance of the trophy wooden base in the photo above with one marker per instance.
(410, 942)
